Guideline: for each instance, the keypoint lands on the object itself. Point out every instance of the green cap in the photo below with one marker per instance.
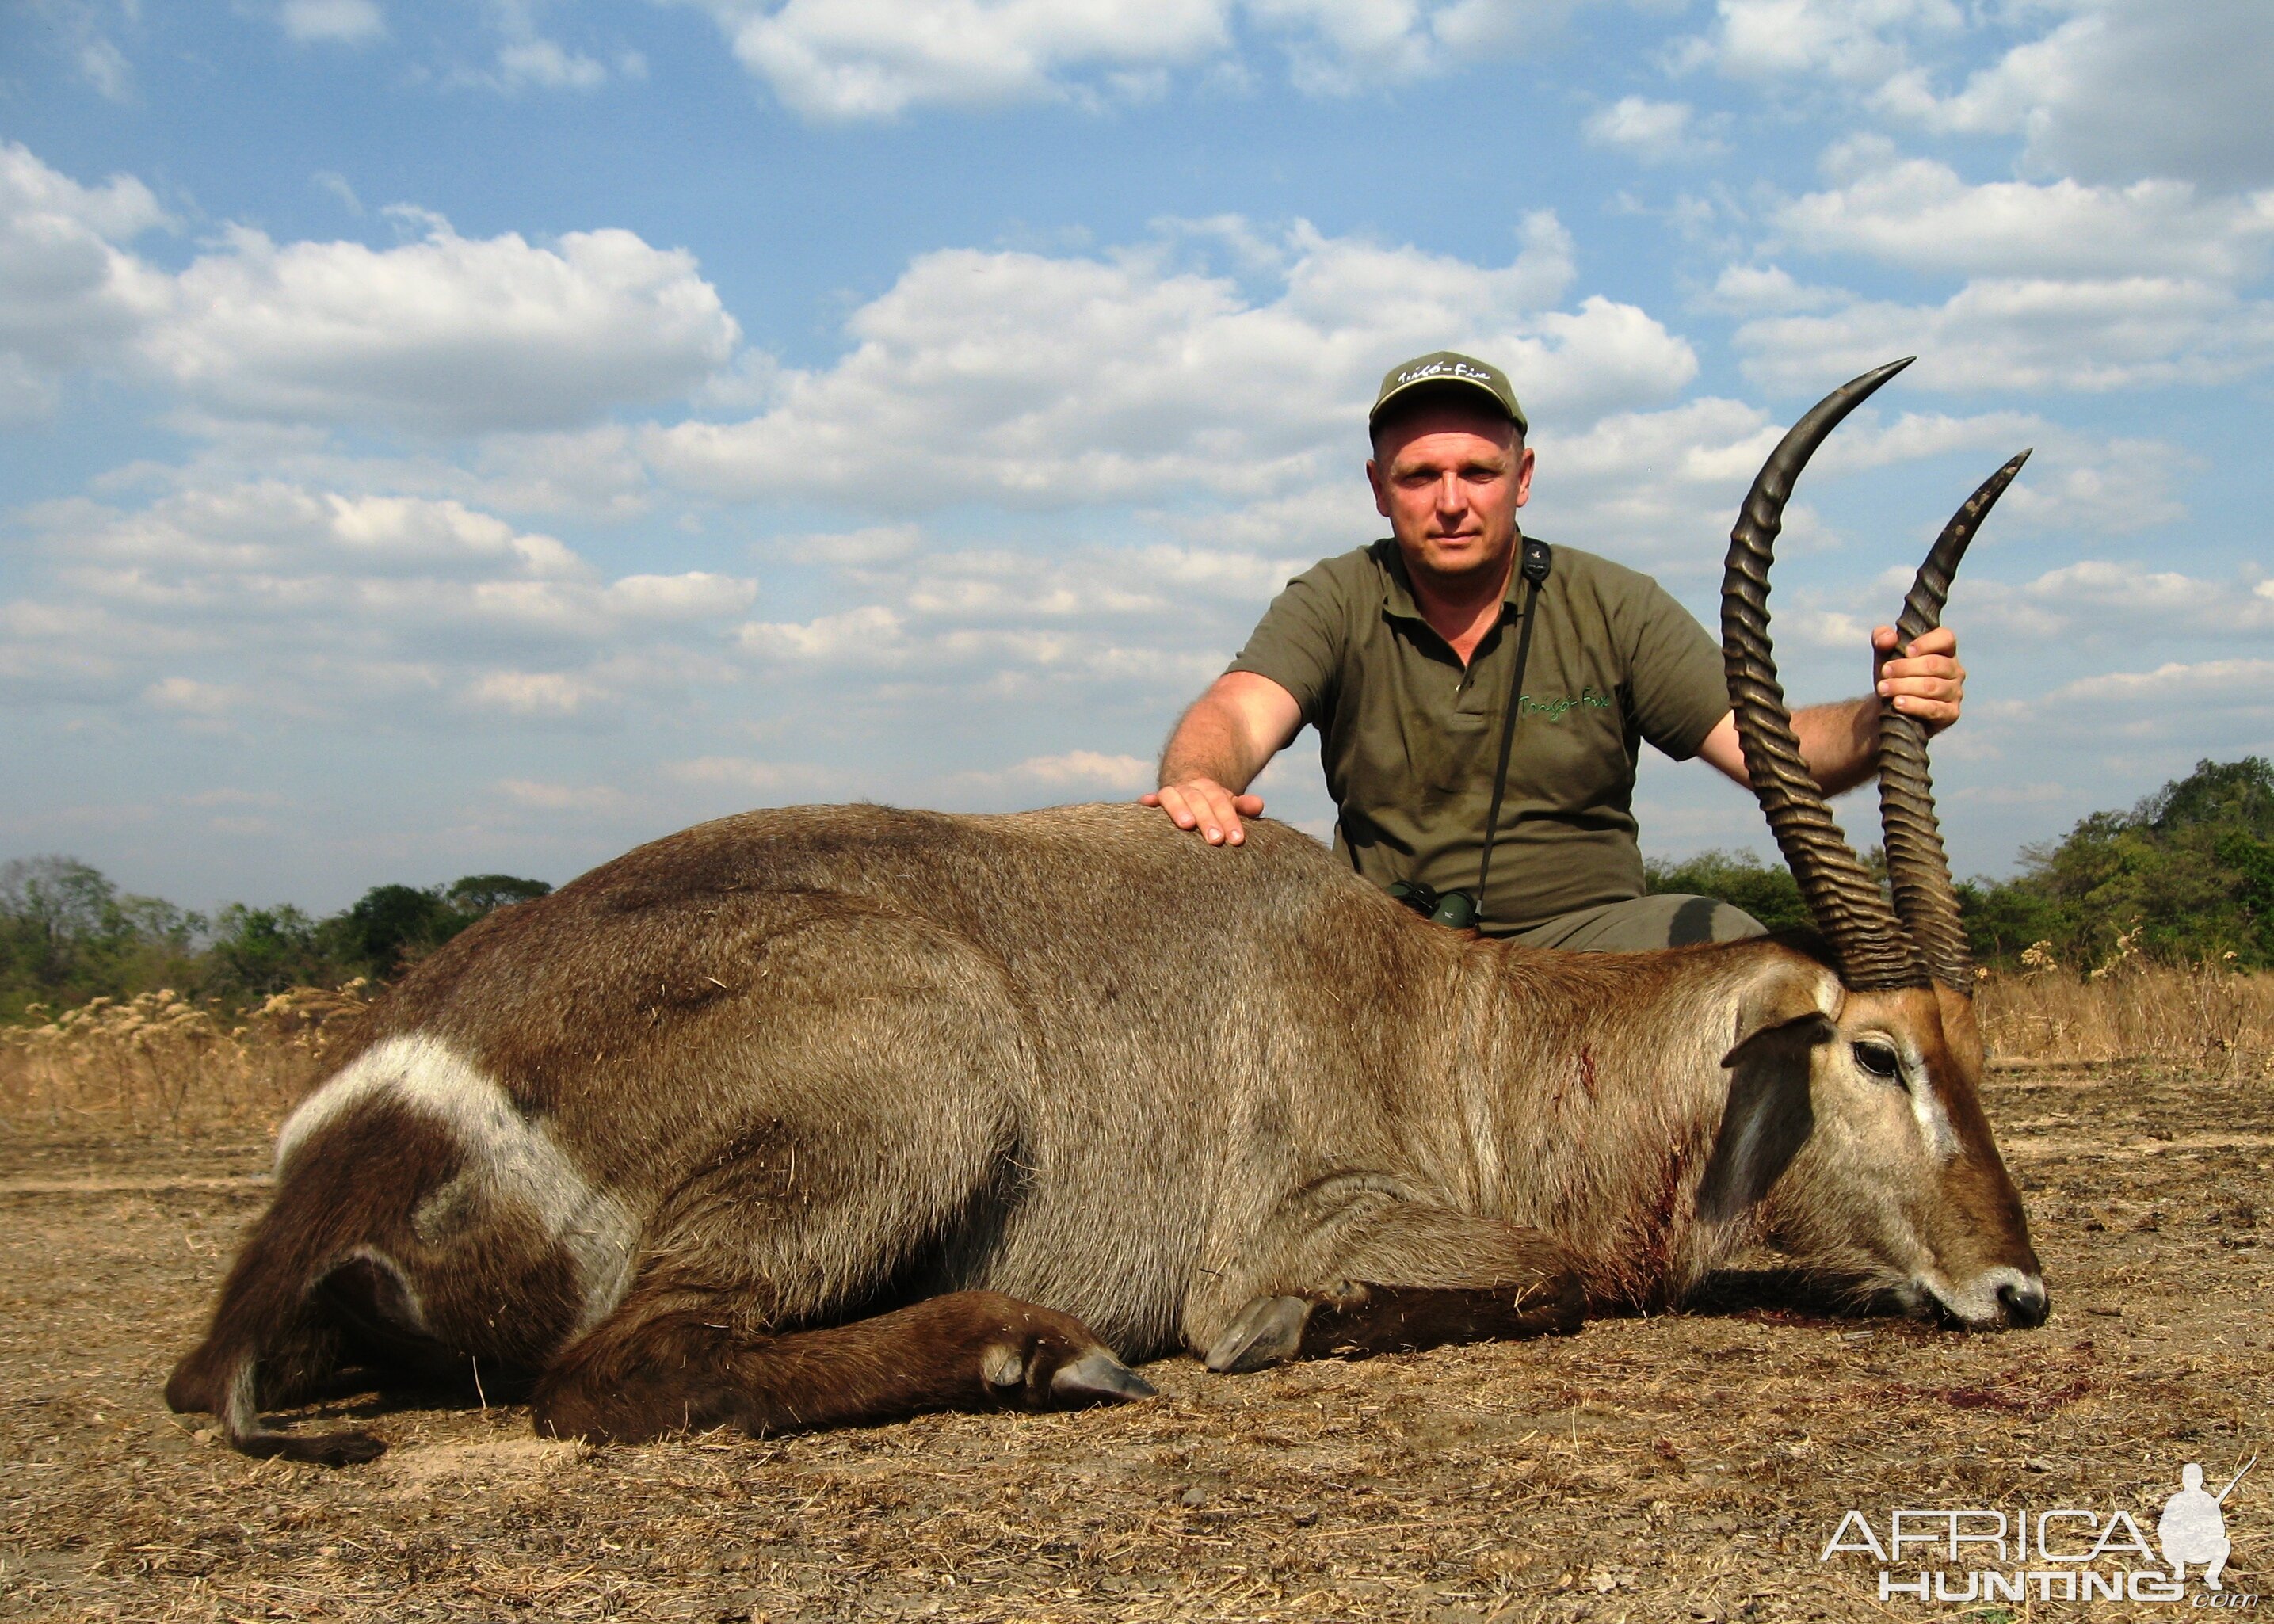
(1443, 367)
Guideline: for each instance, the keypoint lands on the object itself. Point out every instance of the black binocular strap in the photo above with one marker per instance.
(1535, 571)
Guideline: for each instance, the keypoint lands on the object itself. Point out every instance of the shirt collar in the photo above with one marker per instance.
(1397, 586)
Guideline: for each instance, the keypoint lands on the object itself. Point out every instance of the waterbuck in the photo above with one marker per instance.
(822, 1116)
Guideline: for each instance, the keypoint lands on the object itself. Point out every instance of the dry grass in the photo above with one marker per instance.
(2206, 1018)
(160, 1063)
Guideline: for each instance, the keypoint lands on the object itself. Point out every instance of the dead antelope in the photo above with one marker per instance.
(819, 1116)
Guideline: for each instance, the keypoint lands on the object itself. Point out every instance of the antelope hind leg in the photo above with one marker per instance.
(1395, 1277)
(672, 1359)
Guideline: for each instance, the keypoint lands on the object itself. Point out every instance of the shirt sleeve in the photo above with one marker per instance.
(1300, 642)
(1680, 686)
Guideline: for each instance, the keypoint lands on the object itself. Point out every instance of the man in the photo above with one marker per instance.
(1401, 654)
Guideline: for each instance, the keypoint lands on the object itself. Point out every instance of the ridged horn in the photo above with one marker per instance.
(1845, 900)
(1919, 872)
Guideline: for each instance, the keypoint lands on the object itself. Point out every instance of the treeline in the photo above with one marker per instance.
(67, 934)
(2185, 876)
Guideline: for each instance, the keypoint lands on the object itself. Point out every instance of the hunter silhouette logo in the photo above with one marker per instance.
(2193, 1528)
(2052, 1554)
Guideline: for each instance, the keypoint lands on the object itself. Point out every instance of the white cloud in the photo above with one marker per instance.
(2123, 90)
(2018, 333)
(850, 59)
(548, 65)
(1653, 131)
(341, 22)
(443, 335)
(1075, 773)
(1919, 215)
(2130, 600)
(542, 795)
(1035, 381)
(2241, 684)
(70, 294)
(864, 59)
(748, 776)
(1858, 42)
(272, 598)
(1749, 289)
(878, 543)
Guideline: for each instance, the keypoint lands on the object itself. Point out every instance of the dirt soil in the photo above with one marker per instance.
(1687, 1467)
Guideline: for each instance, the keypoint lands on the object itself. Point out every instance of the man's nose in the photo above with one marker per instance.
(1450, 497)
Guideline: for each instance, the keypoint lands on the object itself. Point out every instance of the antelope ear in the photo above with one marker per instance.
(1786, 991)
(1782, 1017)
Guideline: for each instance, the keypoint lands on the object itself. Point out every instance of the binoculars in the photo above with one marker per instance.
(1456, 909)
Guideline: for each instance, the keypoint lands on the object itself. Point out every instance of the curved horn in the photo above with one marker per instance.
(1846, 901)
(1918, 871)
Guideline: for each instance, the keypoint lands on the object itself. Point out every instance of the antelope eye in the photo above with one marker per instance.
(1879, 1060)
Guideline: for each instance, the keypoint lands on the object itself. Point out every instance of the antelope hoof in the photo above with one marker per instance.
(1267, 1331)
(1099, 1378)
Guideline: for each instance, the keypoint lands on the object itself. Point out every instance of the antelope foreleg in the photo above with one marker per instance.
(1391, 1276)
(675, 1361)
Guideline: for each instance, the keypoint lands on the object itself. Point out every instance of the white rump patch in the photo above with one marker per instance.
(509, 1159)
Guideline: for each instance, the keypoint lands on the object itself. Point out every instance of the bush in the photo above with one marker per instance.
(1765, 891)
(69, 936)
(2186, 876)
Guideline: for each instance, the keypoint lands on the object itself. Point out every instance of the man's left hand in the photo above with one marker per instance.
(1925, 681)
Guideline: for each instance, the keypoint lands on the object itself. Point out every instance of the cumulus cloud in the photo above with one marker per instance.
(1857, 41)
(2009, 333)
(1030, 379)
(272, 597)
(70, 291)
(441, 334)
(851, 59)
(1752, 290)
(1075, 773)
(2120, 90)
(866, 59)
(2222, 683)
(2097, 597)
(1653, 131)
(1920, 214)
(341, 22)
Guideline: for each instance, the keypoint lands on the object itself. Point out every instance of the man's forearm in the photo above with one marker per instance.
(1840, 743)
(1212, 742)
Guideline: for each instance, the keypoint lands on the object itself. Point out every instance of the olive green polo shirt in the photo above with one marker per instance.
(1408, 738)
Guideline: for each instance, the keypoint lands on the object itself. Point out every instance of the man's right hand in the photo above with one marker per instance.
(1225, 739)
(1206, 805)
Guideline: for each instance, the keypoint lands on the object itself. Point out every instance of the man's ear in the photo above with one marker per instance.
(1784, 991)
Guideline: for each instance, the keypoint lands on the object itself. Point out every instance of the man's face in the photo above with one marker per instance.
(1450, 478)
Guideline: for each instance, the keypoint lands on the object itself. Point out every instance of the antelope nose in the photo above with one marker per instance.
(2025, 1300)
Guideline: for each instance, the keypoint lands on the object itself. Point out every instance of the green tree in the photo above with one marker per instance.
(255, 951)
(1765, 891)
(2190, 868)
(68, 933)
(392, 927)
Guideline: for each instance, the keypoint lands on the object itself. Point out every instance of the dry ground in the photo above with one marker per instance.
(1679, 1468)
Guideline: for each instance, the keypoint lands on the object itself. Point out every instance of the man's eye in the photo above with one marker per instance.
(1877, 1058)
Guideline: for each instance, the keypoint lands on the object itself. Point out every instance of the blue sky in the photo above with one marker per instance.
(445, 439)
